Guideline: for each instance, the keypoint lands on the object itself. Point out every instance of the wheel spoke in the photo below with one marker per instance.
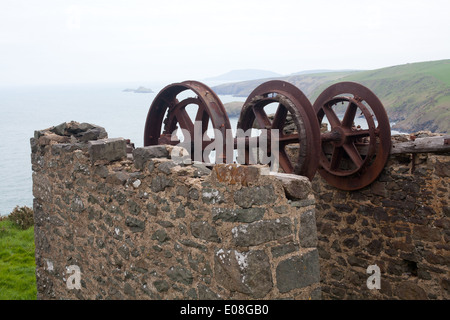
(203, 117)
(359, 133)
(261, 118)
(336, 158)
(284, 161)
(279, 118)
(349, 116)
(289, 138)
(185, 121)
(354, 155)
(331, 116)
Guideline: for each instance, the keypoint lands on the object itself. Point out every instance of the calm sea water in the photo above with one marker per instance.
(29, 108)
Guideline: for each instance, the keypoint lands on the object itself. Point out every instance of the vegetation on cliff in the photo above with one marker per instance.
(416, 95)
(17, 264)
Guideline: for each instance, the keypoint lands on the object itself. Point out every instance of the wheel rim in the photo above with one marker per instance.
(352, 158)
(291, 100)
(168, 111)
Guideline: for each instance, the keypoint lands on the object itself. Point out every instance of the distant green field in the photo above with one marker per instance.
(416, 95)
(441, 71)
(17, 264)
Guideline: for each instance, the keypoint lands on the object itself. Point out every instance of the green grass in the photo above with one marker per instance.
(416, 95)
(17, 264)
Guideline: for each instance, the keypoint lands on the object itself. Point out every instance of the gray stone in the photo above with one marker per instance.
(237, 214)
(261, 231)
(160, 182)
(133, 207)
(203, 230)
(259, 195)
(84, 126)
(296, 187)
(134, 224)
(245, 272)
(161, 285)
(118, 178)
(34, 145)
(302, 203)
(166, 166)
(107, 149)
(165, 224)
(298, 272)
(193, 244)
(161, 236)
(408, 290)
(152, 209)
(280, 209)
(92, 134)
(201, 170)
(308, 229)
(283, 249)
(212, 196)
(101, 171)
(205, 293)
(180, 274)
(182, 191)
(128, 290)
(180, 212)
(60, 129)
(77, 204)
(193, 194)
(124, 252)
(142, 155)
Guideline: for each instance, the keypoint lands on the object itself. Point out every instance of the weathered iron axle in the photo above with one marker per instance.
(347, 156)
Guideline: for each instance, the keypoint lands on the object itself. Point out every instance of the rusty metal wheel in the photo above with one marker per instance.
(352, 155)
(288, 100)
(168, 110)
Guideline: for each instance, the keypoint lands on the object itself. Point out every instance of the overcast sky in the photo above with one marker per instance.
(46, 42)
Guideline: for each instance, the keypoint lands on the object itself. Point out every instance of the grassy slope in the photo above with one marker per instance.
(17, 265)
(307, 83)
(415, 95)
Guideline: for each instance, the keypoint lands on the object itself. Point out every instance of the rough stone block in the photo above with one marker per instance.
(203, 230)
(244, 272)
(81, 131)
(134, 224)
(247, 197)
(212, 196)
(142, 155)
(308, 229)
(160, 182)
(180, 274)
(261, 231)
(165, 166)
(92, 134)
(108, 149)
(298, 272)
(237, 174)
(296, 187)
(237, 214)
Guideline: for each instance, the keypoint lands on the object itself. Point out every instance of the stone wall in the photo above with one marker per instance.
(401, 223)
(112, 224)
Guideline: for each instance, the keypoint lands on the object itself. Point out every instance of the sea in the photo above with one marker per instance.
(24, 109)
